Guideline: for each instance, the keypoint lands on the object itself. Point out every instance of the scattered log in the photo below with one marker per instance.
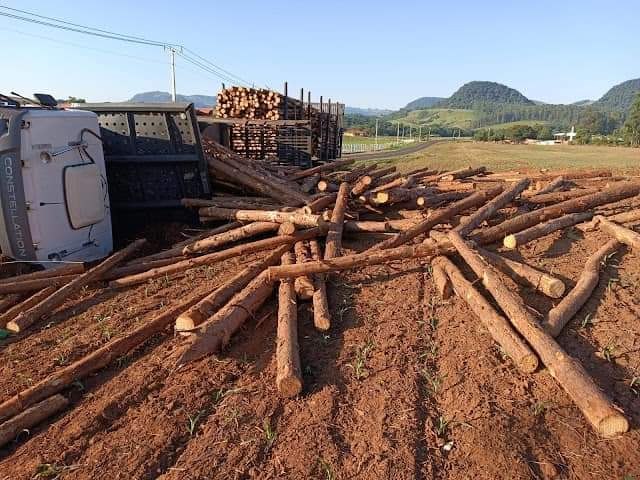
(498, 326)
(555, 184)
(63, 270)
(326, 186)
(333, 244)
(555, 197)
(37, 284)
(229, 202)
(53, 301)
(441, 279)
(320, 203)
(310, 183)
(327, 167)
(289, 373)
(216, 332)
(610, 194)
(560, 315)
(462, 173)
(622, 234)
(607, 420)
(361, 185)
(31, 417)
(208, 306)
(620, 218)
(438, 217)
(321, 312)
(297, 218)
(230, 236)
(373, 226)
(32, 301)
(97, 359)
(523, 237)
(358, 172)
(9, 301)
(210, 258)
(304, 286)
(490, 208)
(520, 273)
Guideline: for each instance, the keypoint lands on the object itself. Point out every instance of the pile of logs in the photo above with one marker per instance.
(297, 220)
(256, 103)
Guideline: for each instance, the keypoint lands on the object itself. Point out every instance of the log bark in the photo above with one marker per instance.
(361, 185)
(441, 280)
(321, 312)
(523, 237)
(373, 226)
(210, 258)
(310, 183)
(53, 301)
(58, 381)
(520, 273)
(208, 306)
(326, 186)
(31, 417)
(622, 234)
(216, 332)
(620, 218)
(438, 217)
(327, 167)
(555, 197)
(333, 242)
(498, 326)
(289, 373)
(320, 203)
(229, 202)
(560, 315)
(237, 234)
(32, 301)
(355, 174)
(490, 208)
(10, 300)
(611, 194)
(555, 184)
(37, 284)
(462, 173)
(297, 218)
(62, 270)
(304, 285)
(347, 262)
(607, 420)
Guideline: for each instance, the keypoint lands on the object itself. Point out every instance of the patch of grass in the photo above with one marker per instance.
(48, 470)
(540, 408)
(608, 352)
(192, 423)
(359, 363)
(269, 432)
(442, 426)
(587, 321)
(434, 381)
(326, 469)
(61, 359)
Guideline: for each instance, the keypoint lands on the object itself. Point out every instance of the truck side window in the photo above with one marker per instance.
(4, 126)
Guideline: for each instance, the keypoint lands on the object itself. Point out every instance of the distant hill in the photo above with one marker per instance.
(422, 102)
(583, 103)
(367, 112)
(620, 97)
(475, 93)
(199, 101)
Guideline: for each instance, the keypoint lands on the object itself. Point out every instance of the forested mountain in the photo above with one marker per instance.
(620, 97)
(199, 101)
(422, 102)
(367, 112)
(474, 94)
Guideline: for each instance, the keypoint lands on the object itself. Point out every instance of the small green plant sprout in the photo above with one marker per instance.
(48, 470)
(269, 432)
(192, 423)
(326, 469)
(608, 352)
(539, 408)
(612, 281)
(442, 426)
(587, 321)
(359, 363)
(434, 381)
(61, 359)
(218, 395)
(634, 385)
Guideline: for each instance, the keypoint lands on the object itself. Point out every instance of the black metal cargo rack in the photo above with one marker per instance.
(153, 153)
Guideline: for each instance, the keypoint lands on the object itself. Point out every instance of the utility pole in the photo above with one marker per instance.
(172, 55)
(398, 134)
(419, 133)
(376, 133)
(410, 137)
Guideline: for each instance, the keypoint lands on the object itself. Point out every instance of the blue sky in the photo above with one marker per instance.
(363, 53)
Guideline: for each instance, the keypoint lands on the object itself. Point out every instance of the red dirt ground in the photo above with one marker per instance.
(404, 386)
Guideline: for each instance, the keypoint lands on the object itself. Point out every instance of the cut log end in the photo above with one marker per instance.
(528, 363)
(304, 288)
(289, 386)
(613, 425)
(186, 322)
(510, 242)
(552, 287)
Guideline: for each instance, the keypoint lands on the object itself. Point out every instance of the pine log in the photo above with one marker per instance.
(304, 285)
(399, 195)
(94, 361)
(286, 228)
(297, 218)
(523, 237)
(208, 306)
(376, 174)
(361, 185)
(320, 203)
(490, 208)
(560, 315)
(327, 167)
(26, 304)
(210, 258)
(289, 373)
(31, 417)
(136, 268)
(355, 174)
(498, 326)
(520, 273)
(373, 226)
(555, 184)
(326, 186)
(625, 217)
(333, 242)
(10, 300)
(321, 312)
(53, 301)
(62, 270)
(610, 194)
(622, 234)
(216, 332)
(310, 183)
(441, 280)
(607, 420)
(37, 284)
(230, 236)
(438, 217)
(229, 202)
(462, 173)
(401, 182)
(555, 197)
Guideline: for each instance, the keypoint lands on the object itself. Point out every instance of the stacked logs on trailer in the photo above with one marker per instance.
(295, 221)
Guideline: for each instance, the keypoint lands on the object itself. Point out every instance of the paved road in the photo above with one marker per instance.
(384, 154)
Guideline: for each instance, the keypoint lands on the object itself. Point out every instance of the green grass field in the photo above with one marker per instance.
(368, 140)
(502, 126)
(503, 157)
